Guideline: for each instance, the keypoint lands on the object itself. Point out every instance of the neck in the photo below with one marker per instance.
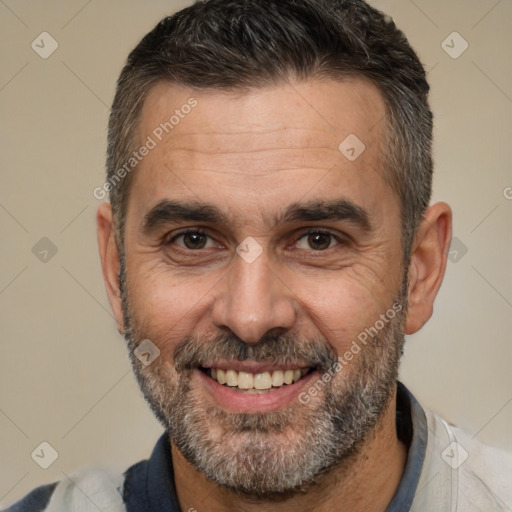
(366, 482)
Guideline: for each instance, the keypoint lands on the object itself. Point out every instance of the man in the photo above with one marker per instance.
(268, 244)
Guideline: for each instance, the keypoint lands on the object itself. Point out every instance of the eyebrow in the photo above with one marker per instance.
(169, 212)
(338, 209)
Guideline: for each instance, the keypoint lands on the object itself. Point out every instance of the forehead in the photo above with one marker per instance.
(326, 110)
(274, 144)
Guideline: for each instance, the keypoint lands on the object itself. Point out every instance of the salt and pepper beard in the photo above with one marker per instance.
(275, 454)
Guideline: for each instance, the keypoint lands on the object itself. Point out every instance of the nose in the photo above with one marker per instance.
(252, 300)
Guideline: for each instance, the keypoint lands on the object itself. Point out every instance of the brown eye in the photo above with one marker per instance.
(192, 240)
(317, 240)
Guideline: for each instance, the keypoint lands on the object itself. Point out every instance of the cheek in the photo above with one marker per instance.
(345, 305)
(166, 307)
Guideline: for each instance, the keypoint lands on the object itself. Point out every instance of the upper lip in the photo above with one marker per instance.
(253, 366)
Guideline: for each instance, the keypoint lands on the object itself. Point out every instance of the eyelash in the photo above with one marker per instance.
(199, 231)
(195, 231)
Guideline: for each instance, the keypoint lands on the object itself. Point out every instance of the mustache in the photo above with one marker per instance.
(282, 349)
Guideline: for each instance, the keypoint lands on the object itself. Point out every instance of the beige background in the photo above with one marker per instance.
(65, 376)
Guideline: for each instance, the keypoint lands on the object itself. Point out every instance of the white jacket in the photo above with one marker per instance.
(461, 474)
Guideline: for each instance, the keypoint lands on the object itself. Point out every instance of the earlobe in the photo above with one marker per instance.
(428, 265)
(110, 262)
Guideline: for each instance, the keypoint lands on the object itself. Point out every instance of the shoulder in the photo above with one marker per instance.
(140, 487)
(35, 501)
(76, 493)
(474, 474)
(485, 471)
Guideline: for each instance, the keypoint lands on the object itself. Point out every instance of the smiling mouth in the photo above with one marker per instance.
(256, 383)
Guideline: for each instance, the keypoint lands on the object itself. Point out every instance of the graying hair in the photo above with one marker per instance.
(241, 45)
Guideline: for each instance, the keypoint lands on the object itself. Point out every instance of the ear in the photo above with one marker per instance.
(110, 262)
(428, 264)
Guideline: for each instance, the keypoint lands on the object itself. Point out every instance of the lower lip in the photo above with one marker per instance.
(243, 402)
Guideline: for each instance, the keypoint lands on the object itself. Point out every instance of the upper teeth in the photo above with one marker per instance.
(265, 380)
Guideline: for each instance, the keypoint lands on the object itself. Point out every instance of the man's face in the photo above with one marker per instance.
(257, 252)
